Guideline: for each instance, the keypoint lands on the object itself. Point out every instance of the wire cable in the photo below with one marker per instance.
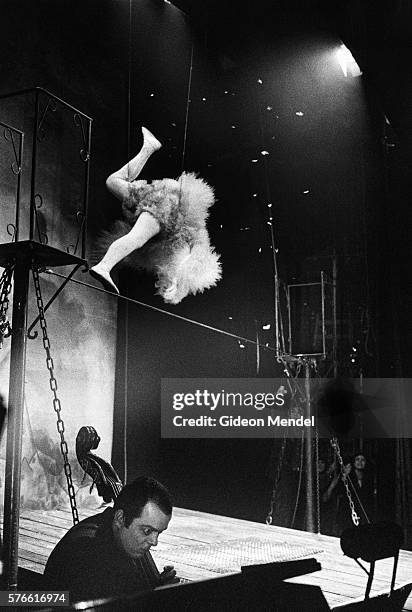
(165, 312)
(188, 101)
(126, 382)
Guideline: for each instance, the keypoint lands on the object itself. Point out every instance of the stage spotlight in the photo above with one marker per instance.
(347, 62)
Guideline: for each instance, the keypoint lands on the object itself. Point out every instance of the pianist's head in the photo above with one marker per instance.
(142, 511)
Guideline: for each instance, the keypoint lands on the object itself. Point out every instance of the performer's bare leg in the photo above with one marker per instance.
(146, 225)
(119, 182)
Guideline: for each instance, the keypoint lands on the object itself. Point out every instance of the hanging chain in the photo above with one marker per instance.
(56, 402)
(355, 518)
(5, 285)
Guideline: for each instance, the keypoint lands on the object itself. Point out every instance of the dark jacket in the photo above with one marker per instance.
(87, 563)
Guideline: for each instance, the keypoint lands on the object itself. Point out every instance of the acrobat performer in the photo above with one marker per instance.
(164, 229)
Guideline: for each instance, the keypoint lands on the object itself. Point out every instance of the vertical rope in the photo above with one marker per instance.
(279, 340)
(318, 509)
(129, 80)
(188, 101)
(126, 394)
(257, 349)
(126, 313)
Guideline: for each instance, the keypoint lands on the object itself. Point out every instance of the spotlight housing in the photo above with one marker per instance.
(347, 62)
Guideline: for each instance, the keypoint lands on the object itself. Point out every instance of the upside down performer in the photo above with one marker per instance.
(164, 228)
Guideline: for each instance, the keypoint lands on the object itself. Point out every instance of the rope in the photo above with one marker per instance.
(129, 99)
(125, 390)
(318, 517)
(279, 331)
(129, 79)
(189, 89)
(299, 482)
(166, 312)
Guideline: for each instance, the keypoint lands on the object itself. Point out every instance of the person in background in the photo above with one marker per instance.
(361, 484)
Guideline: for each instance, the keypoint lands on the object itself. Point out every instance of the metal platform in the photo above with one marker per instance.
(38, 254)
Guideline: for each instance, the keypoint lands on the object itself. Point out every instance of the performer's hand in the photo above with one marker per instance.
(168, 576)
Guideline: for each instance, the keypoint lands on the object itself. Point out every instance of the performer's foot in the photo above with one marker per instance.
(169, 294)
(101, 273)
(150, 141)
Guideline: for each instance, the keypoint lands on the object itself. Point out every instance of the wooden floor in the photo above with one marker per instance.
(340, 578)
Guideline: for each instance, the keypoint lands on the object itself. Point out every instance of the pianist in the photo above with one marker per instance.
(108, 554)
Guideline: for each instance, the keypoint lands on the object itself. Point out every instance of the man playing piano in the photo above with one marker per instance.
(108, 554)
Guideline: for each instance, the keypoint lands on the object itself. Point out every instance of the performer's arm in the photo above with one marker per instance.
(328, 493)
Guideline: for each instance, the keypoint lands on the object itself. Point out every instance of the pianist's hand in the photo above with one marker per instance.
(168, 576)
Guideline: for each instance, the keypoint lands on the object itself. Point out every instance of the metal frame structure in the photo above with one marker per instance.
(20, 257)
(45, 103)
(24, 256)
(322, 284)
(9, 133)
(308, 361)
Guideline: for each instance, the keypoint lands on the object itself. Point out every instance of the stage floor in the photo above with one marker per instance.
(216, 541)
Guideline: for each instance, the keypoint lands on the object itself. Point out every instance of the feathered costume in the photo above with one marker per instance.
(181, 252)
